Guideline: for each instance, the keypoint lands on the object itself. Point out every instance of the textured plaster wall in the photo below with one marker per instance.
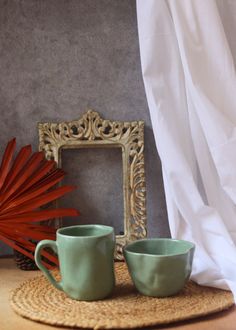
(60, 57)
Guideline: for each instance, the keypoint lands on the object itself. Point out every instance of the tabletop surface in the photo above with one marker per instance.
(11, 277)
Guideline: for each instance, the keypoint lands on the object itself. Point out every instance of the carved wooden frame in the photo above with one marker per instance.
(93, 131)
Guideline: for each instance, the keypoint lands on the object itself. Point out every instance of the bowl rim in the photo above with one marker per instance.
(126, 247)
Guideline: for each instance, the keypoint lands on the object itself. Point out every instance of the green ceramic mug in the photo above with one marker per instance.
(159, 267)
(86, 259)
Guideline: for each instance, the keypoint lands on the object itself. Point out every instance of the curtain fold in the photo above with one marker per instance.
(190, 84)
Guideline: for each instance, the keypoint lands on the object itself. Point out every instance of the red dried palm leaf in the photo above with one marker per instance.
(39, 175)
(19, 162)
(24, 250)
(49, 180)
(26, 171)
(26, 184)
(41, 215)
(34, 203)
(33, 192)
(6, 160)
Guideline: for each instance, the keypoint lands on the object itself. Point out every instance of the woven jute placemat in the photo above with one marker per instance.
(37, 300)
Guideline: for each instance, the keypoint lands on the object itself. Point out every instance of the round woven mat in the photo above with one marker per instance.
(37, 300)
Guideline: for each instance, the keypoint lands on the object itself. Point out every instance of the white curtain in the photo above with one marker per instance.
(190, 84)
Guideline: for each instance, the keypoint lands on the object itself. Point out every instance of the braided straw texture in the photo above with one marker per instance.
(37, 300)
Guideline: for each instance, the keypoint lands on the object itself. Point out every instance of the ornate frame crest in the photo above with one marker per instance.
(93, 131)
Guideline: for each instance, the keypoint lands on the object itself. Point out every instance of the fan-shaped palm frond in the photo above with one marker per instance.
(27, 183)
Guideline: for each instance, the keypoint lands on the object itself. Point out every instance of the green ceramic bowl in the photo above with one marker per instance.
(159, 267)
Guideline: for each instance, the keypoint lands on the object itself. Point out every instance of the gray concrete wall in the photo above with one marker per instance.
(60, 57)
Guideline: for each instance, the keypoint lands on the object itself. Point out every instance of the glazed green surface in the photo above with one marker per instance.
(159, 267)
(86, 255)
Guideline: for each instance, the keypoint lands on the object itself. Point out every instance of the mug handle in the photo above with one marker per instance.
(41, 245)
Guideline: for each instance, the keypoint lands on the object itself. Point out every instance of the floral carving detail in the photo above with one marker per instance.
(91, 129)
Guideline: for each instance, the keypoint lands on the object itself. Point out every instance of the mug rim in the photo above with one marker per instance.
(60, 231)
(126, 248)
